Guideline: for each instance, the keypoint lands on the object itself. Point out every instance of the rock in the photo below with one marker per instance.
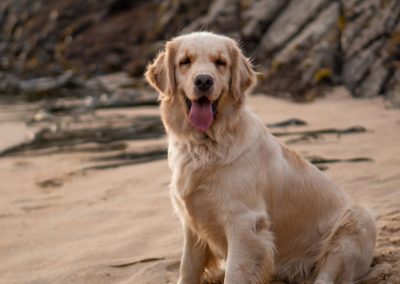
(223, 17)
(64, 85)
(371, 84)
(259, 17)
(366, 45)
(46, 84)
(290, 22)
(356, 69)
(117, 90)
(113, 82)
(393, 93)
(307, 60)
(300, 46)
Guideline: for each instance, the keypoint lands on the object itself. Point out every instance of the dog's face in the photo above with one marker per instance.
(202, 78)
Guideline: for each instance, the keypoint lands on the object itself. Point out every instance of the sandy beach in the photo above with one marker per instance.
(64, 219)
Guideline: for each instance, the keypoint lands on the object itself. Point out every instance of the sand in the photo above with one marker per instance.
(62, 225)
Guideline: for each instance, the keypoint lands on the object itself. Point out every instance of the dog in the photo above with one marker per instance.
(245, 200)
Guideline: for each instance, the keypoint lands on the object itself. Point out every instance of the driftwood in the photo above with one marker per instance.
(71, 140)
(52, 182)
(128, 159)
(144, 260)
(287, 122)
(79, 148)
(320, 162)
(316, 160)
(315, 133)
(145, 127)
(303, 139)
(105, 138)
(104, 102)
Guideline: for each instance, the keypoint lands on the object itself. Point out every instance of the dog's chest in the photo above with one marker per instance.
(197, 198)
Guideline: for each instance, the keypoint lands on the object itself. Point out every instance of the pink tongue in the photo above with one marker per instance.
(201, 115)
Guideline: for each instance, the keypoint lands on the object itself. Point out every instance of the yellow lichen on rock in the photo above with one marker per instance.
(341, 23)
(323, 74)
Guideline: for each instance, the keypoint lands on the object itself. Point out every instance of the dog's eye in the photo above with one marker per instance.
(185, 61)
(220, 62)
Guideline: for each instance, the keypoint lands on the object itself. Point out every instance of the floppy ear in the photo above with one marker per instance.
(243, 75)
(161, 72)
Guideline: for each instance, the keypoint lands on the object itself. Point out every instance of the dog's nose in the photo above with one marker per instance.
(203, 82)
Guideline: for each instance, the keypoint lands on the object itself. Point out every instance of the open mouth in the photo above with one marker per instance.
(201, 113)
(203, 100)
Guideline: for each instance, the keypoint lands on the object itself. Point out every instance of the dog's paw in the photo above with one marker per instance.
(214, 277)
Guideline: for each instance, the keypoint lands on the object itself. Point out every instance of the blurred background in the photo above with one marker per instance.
(83, 171)
(299, 46)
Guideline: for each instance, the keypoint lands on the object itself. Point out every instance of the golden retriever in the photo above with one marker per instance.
(244, 199)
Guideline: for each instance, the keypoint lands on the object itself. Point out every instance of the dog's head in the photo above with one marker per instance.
(202, 79)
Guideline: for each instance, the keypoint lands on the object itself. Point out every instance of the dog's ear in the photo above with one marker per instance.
(243, 76)
(161, 72)
(156, 73)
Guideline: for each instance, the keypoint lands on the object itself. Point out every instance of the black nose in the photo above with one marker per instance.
(203, 82)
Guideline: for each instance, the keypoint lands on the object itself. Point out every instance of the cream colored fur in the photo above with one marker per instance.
(243, 197)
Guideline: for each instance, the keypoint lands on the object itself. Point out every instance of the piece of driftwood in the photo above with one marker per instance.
(142, 128)
(103, 99)
(287, 122)
(52, 182)
(350, 130)
(316, 160)
(303, 138)
(127, 159)
(144, 260)
(83, 148)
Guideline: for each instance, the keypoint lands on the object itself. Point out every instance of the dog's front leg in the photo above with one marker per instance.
(250, 251)
(194, 257)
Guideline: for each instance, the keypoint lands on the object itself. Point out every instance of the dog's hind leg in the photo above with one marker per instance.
(347, 252)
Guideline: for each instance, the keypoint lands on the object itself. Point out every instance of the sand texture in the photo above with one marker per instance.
(67, 215)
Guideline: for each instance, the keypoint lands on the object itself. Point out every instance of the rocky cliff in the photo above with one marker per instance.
(300, 46)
